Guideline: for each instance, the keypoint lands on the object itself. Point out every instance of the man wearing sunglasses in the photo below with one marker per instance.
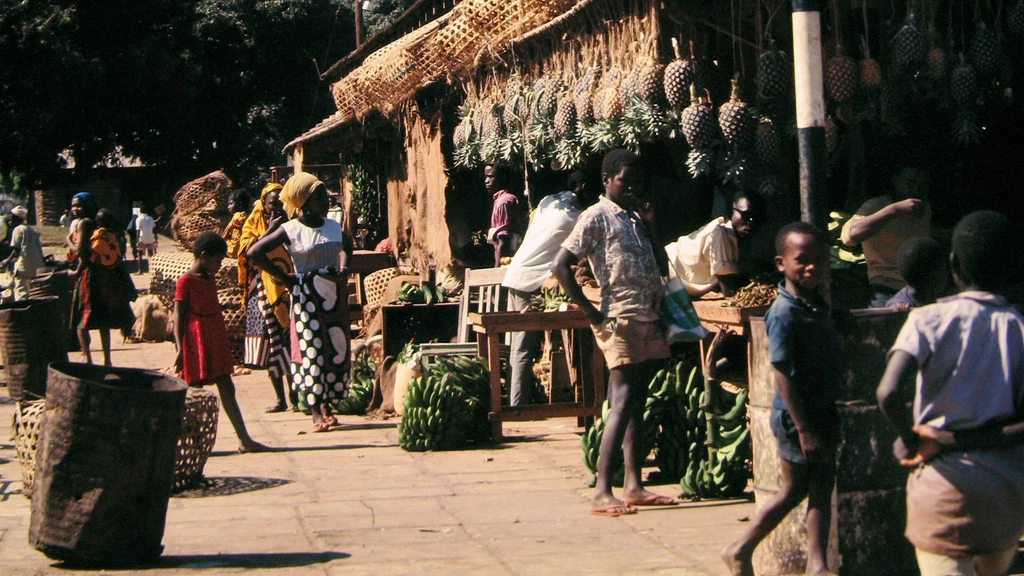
(708, 259)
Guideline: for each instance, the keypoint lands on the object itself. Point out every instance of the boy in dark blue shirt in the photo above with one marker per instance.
(808, 369)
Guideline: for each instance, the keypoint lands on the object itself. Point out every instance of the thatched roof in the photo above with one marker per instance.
(449, 47)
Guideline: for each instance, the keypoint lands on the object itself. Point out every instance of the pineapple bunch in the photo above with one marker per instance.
(908, 47)
(774, 74)
(963, 88)
(543, 100)
(604, 133)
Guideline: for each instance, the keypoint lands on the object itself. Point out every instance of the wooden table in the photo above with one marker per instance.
(717, 317)
(489, 328)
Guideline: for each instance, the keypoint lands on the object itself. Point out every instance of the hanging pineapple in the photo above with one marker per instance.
(870, 71)
(1015, 20)
(840, 76)
(649, 82)
(697, 122)
(678, 78)
(963, 86)
(938, 66)
(465, 142)
(611, 100)
(768, 144)
(986, 53)
(774, 74)
(565, 117)
(736, 120)
(627, 89)
(583, 96)
(547, 100)
(705, 72)
(738, 126)
(908, 46)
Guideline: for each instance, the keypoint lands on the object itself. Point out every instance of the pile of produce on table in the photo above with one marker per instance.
(446, 407)
(707, 450)
(548, 300)
(754, 295)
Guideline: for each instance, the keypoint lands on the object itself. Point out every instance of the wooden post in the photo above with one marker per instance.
(810, 112)
(297, 156)
(357, 9)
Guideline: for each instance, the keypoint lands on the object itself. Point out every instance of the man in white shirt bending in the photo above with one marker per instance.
(551, 223)
(145, 229)
(708, 259)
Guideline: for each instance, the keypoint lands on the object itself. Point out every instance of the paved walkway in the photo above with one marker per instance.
(351, 502)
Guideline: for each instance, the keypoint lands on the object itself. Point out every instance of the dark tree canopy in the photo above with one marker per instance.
(209, 83)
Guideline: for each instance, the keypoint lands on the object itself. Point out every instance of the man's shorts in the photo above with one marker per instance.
(630, 341)
(147, 248)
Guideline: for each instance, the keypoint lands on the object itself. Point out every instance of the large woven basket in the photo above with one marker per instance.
(206, 194)
(198, 433)
(25, 431)
(167, 267)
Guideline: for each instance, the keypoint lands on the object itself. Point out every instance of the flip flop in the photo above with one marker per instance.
(613, 510)
(651, 500)
(274, 408)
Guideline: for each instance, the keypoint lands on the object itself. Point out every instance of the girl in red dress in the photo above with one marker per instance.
(204, 354)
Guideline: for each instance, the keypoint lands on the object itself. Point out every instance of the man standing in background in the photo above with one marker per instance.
(506, 215)
(552, 221)
(26, 252)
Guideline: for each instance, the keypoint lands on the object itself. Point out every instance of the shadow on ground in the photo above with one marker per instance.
(255, 560)
(228, 485)
(221, 453)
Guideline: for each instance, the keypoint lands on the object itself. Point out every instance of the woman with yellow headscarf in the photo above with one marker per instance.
(266, 298)
(319, 286)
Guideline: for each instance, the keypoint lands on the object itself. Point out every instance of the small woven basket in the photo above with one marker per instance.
(198, 433)
(25, 431)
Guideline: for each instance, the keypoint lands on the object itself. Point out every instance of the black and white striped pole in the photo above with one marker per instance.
(810, 112)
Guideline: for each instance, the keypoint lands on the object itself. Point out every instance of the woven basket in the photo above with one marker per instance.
(186, 228)
(376, 283)
(198, 433)
(206, 194)
(166, 268)
(25, 431)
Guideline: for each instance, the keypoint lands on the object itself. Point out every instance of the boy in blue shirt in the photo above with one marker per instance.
(808, 369)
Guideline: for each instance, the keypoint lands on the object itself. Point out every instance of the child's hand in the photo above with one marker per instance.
(930, 441)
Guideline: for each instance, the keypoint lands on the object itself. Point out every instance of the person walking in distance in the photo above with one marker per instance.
(145, 230)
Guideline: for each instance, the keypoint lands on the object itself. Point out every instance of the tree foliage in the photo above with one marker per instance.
(207, 83)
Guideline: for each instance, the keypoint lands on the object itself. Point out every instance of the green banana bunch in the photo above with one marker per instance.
(432, 293)
(360, 388)
(723, 473)
(447, 406)
(411, 293)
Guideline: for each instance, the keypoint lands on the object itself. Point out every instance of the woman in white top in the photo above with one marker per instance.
(319, 327)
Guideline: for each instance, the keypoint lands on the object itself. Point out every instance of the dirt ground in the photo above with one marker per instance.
(352, 502)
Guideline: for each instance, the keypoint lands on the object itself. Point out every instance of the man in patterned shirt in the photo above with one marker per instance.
(628, 264)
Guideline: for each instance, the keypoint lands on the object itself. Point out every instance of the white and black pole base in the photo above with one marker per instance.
(810, 112)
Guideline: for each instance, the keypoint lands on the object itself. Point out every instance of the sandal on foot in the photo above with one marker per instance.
(612, 510)
(274, 408)
(651, 500)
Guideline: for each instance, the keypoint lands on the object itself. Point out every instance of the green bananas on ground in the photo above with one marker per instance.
(360, 388)
(676, 424)
(723, 471)
(446, 407)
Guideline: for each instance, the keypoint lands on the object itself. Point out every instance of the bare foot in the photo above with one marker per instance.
(253, 446)
(646, 498)
(321, 426)
(737, 561)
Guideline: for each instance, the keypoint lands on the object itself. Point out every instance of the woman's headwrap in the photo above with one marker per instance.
(88, 203)
(297, 190)
(254, 227)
